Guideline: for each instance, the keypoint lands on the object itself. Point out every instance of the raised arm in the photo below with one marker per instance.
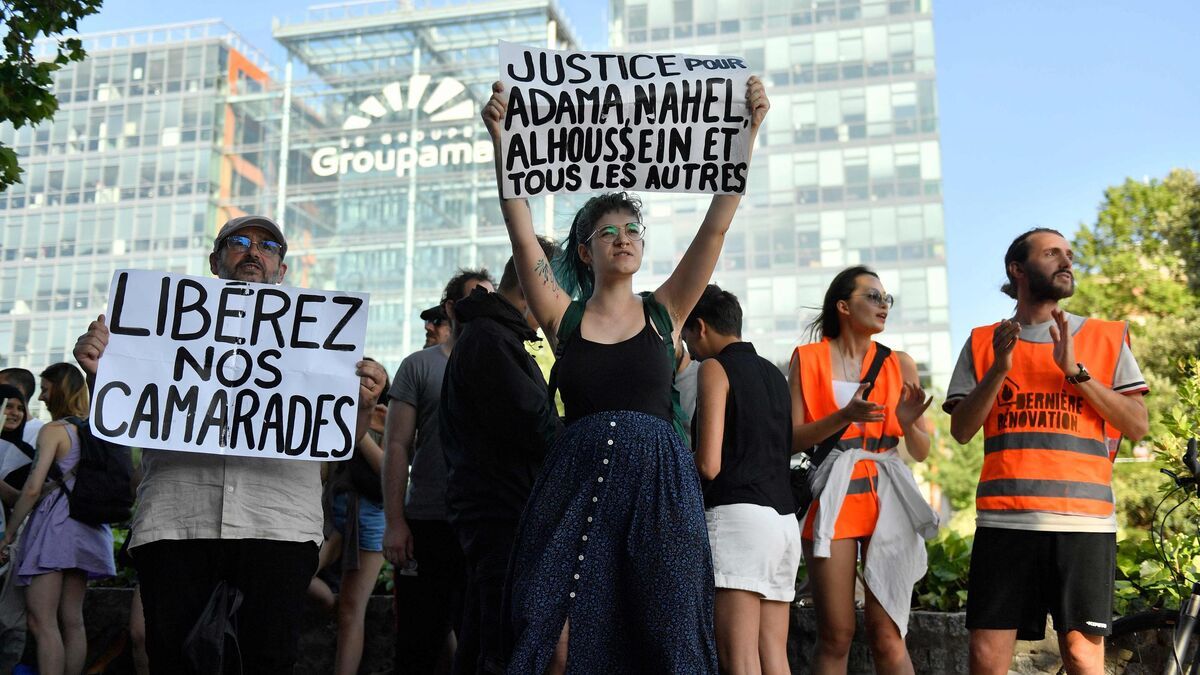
(546, 300)
(680, 292)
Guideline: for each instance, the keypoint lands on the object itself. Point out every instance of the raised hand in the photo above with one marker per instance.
(370, 384)
(913, 403)
(90, 346)
(1004, 341)
(756, 99)
(860, 410)
(1064, 343)
(493, 111)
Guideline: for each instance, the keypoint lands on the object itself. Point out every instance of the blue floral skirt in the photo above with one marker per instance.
(613, 539)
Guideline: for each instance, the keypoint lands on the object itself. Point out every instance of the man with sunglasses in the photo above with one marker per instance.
(437, 326)
(1053, 393)
(252, 523)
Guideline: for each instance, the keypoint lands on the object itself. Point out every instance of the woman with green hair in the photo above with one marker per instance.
(612, 571)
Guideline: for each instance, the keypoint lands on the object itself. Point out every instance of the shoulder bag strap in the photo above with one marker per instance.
(882, 352)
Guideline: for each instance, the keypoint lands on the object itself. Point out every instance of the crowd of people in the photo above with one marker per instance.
(632, 530)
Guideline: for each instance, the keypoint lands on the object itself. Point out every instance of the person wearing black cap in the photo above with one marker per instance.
(437, 326)
(253, 523)
(417, 539)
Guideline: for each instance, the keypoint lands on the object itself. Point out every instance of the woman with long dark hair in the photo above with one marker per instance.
(612, 570)
(58, 554)
(866, 501)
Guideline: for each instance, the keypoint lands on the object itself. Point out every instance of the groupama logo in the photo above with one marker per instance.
(400, 151)
(392, 99)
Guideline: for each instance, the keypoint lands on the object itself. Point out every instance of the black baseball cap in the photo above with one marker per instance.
(235, 225)
(437, 313)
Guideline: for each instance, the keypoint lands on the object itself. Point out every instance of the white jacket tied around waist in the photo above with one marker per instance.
(896, 558)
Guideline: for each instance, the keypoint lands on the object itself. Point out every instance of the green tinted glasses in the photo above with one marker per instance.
(609, 233)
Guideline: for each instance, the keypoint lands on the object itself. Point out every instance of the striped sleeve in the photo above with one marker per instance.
(962, 380)
(1128, 378)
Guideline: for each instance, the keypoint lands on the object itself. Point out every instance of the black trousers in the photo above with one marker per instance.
(428, 603)
(178, 577)
(487, 546)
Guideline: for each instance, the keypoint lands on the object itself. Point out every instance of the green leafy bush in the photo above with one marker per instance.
(1145, 581)
(944, 587)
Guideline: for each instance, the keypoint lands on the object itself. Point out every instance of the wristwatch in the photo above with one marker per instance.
(1080, 377)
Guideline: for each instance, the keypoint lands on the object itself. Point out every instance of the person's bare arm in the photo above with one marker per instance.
(371, 452)
(712, 391)
(680, 292)
(51, 439)
(1125, 412)
(968, 414)
(807, 435)
(546, 299)
(910, 412)
(8, 494)
(398, 436)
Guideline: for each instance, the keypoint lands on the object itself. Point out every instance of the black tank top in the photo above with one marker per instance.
(634, 374)
(757, 447)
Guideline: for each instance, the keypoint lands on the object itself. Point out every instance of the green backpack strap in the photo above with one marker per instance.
(567, 328)
(662, 323)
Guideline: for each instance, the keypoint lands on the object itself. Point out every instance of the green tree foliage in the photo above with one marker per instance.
(1140, 261)
(25, 82)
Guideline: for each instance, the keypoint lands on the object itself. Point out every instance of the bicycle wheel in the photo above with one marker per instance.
(1143, 643)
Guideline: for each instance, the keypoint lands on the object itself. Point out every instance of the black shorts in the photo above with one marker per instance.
(1018, 576)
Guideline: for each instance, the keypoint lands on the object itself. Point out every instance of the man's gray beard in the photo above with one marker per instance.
(228, 275)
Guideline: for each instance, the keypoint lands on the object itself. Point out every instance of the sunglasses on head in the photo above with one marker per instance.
(241, 243)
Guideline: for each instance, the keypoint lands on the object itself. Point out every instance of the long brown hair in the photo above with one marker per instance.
(69, 395)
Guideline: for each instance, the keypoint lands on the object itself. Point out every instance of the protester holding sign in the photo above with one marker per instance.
(612, 553)
(854, 399)
(58, 554)
(205, 519)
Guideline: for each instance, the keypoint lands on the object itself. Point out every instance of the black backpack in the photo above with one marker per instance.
(103, 491)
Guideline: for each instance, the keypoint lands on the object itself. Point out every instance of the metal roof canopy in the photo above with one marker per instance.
(373, 31)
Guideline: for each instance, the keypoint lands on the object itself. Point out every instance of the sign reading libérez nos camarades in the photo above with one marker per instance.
(229, 367)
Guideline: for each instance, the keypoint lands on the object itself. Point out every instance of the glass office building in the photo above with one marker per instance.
(128, 174)
(364, 143)
(373, 154)
(366, 146)
(847, 167)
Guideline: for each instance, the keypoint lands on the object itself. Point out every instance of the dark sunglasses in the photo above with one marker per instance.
(879, 299)
(241, 244)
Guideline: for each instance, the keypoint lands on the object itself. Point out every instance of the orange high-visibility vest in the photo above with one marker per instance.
(816, 381)
(1045, 447)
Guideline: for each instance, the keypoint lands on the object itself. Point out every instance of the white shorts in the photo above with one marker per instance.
(754, 548)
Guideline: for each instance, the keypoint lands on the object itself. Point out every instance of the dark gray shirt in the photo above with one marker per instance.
(418, 383)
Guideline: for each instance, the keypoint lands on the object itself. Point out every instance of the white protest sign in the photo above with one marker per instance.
(593, 121)
(229, 367)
